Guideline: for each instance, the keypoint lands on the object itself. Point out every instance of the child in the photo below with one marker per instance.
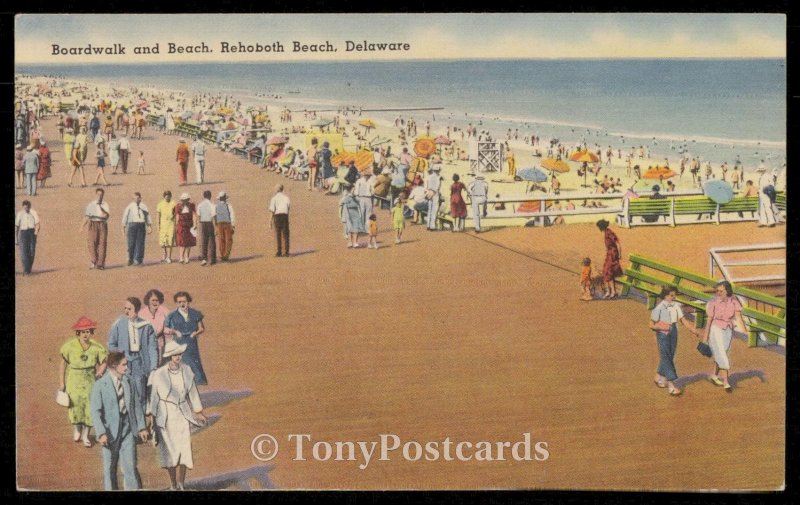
(586, 280)
(140, 164)
(373, 231)
(398, 220)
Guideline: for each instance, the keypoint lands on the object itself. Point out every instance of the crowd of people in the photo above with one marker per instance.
(142, 385)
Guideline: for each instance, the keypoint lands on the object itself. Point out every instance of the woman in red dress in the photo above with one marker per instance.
(44, 164)
(185, 220)
(458, 208)
(611, 267)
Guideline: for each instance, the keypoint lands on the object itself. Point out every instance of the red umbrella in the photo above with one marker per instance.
(441, 139)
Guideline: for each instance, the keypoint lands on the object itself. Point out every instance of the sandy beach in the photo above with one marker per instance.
(459, 335)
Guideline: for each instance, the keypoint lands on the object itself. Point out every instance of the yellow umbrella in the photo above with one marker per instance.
(368, 123)
(555, 165)
(424, 147)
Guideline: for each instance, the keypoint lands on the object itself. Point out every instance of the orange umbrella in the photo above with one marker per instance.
(659, 173)
(363, 159)
(584, 156)
(555, 165)
(424, 147)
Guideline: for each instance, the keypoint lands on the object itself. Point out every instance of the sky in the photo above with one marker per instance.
(429, 36)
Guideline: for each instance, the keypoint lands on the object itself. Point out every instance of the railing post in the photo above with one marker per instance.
(672, 211)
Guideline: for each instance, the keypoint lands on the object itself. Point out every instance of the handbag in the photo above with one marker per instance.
(704, 349)
(62, 398)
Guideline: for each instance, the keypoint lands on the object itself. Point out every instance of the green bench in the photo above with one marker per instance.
(666, 209)
(695, 290)
(645, 208)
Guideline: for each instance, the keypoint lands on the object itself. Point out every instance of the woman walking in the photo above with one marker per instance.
(664, 321)
(173, 407)
(458, 207)
(83, 361)
(724, 312)
(611, 266)
(184, 325)
(185, 221)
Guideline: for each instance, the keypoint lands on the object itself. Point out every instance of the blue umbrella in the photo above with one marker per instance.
(186, 114)
(532, 175)
(718, 190)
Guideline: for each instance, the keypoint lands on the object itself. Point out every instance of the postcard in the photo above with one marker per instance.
(400, 251)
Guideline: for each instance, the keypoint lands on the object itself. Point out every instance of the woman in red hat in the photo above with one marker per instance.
(84, 360)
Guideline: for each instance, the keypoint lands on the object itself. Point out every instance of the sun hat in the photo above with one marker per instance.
(172, 348)
(185, 196)
(479, 178)
(222, 195)
(84, 323)
(436, 168)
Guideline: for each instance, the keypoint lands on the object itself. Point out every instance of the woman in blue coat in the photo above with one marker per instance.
(185, 324)
(351, 217)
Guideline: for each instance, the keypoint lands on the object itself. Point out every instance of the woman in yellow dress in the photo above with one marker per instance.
(512, 162)
(83, 361)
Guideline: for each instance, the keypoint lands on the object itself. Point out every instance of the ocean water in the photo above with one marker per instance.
(715, 109)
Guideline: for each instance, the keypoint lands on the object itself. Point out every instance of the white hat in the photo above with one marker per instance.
(479, 178)
(172, 348)
(222, 195)
(185, 196)
(761, 168)
(436, 168)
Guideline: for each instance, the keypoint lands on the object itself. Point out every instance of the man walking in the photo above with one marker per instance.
(117, 414)
(134, 336)
(96, 217)
(134, 219)
(31, 163)
(279, 206)
(207, 212)
(182, 157)
(199, 153)
(478, 191)
(124, 151)
(27, 229)
(226, 223)
(433, 184)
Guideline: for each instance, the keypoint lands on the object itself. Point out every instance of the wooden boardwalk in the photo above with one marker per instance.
(446, 335)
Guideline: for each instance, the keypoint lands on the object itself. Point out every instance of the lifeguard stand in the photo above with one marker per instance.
(486, 157)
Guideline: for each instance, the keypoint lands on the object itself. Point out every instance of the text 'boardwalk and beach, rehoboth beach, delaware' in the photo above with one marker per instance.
(400, 251)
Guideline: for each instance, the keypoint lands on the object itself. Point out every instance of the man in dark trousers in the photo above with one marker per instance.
(279, 206)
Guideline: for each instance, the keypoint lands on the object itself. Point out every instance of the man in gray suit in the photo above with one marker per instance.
(136, 338)
(117, 415)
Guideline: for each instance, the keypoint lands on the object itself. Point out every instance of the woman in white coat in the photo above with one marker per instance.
(174, 406)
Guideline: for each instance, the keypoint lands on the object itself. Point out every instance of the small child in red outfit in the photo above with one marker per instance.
(586, 279)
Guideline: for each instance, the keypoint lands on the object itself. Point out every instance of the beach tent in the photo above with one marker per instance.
(363, 159)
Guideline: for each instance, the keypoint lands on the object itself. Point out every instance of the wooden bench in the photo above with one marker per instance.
(696, 291)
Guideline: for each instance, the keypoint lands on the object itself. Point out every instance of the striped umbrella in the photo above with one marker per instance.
(584, 156)
(555, 165)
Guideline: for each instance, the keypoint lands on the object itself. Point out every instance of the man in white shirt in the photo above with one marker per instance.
(362, 190)
(124, 151)
(134, 220)
(279, 206)
(433, 184)
(199, 154)
(96, 217)
(137, 339)
(27, 229)
(207, 213)
(766, 215)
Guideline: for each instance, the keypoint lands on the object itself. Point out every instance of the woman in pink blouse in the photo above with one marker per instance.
(724, 311)
(154, 312)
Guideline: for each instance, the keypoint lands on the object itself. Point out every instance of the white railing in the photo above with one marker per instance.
(716, 262)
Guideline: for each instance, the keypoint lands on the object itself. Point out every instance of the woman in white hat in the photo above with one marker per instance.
(173, 407)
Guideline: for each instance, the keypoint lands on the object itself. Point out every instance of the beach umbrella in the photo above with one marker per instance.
(367, 123)
(424, 147)
(186, 114)
(659, 173)
(718, 190)
(277, 140)
(555, 165)
(531, 175)
(441, 139)
(584, 156)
